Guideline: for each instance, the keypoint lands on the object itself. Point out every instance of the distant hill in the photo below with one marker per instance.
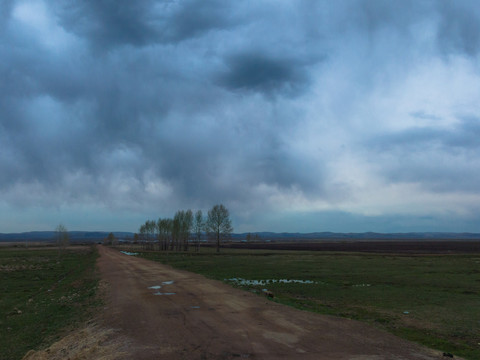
(95, 236)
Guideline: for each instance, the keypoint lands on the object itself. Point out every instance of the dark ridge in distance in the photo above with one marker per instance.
(95, 236)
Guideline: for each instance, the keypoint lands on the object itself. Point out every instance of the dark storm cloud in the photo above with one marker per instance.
(197, 17)
(258, 72)
(459, 29)
(157, 105)
(110, 23)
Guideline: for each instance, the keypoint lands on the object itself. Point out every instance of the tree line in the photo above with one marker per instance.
(186, 230)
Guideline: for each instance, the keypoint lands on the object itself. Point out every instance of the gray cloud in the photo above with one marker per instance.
(439, 160)
(5, 11)
(257, 72)
(147, 107)
(465, 135)
(107, 24)
(459, 29)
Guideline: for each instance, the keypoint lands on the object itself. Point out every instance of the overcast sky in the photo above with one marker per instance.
(298, 116)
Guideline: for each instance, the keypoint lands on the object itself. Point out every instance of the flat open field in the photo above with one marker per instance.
(42, 295)
(153, 311)
(430, 299)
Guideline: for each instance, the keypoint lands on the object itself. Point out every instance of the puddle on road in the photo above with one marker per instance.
(129, 253)
(160, 293)
(157, 287)
(195, 307)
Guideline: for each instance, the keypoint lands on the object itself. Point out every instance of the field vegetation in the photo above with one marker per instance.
(44, 293)
(430, 299)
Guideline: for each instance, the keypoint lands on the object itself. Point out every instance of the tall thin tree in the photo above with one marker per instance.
(198, 227)
(61, 238)
(219, 225)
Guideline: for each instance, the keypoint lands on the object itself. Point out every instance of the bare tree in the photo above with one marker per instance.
(182, 227)
(61, 237)
(164, 232)
(151, 226)
(147, 233)
(143, 237)
(198, 226)
(187, 224)
(110, 240)
(168, 229)
(219, 225)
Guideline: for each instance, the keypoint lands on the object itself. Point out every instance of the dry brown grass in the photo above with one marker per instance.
(89, 342)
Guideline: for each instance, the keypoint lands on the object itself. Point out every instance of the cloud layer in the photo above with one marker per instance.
(289, 113)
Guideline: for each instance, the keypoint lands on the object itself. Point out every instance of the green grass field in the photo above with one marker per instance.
(43, 295)
(433, 300)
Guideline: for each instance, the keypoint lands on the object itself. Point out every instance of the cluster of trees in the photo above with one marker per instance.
(186, 228)
(252, 237)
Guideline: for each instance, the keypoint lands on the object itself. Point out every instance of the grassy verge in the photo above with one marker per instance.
(433, 300)
(42, 295)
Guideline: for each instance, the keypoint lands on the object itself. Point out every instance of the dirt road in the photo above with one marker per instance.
(164, 313)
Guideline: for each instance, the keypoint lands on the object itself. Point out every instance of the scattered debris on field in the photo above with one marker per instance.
(268, 293)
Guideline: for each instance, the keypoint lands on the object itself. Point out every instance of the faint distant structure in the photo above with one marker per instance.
(61, 238)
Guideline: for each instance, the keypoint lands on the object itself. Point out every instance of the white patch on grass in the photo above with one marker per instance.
(129, 253)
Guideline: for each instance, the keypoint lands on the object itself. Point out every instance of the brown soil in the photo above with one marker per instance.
(410, 247)
(90, 342)
(199, 318)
